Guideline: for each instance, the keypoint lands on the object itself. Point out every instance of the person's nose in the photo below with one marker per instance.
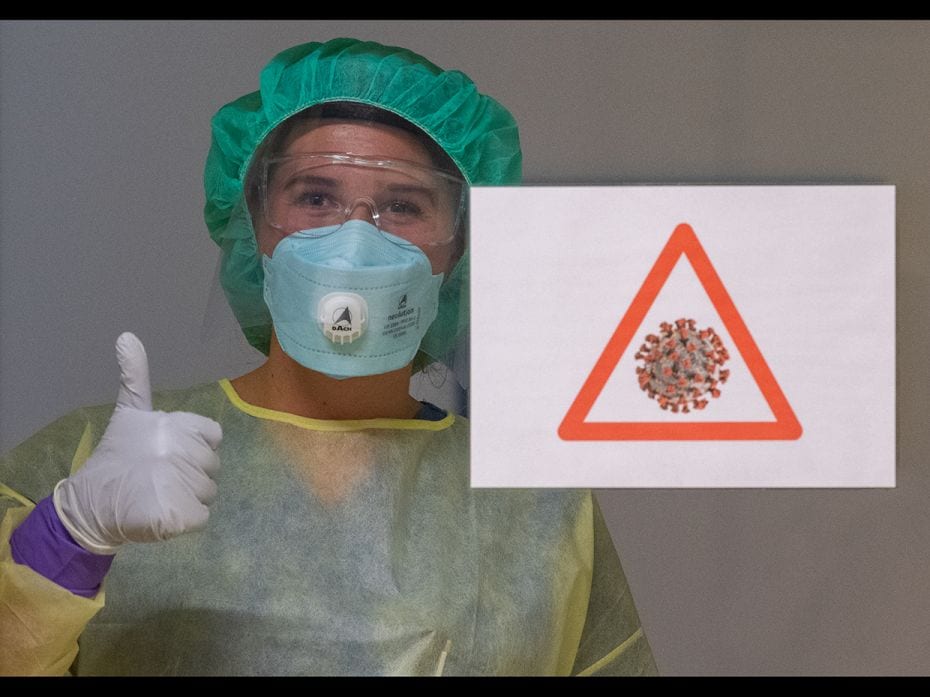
(363, 209)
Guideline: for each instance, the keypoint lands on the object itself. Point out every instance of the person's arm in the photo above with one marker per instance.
(613, 641)
(148, 479)
(43, 543)
(40, 620)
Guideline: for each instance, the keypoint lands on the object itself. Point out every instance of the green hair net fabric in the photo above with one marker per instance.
(475, 131)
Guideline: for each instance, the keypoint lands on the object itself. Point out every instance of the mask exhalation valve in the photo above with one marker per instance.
(343, 317)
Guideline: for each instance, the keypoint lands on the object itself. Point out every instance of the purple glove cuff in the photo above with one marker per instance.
(43, 544)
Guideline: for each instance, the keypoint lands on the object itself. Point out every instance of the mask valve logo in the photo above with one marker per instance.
(343, 317)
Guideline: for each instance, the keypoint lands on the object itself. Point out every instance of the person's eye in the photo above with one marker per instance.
(403, 208)
(313, 199)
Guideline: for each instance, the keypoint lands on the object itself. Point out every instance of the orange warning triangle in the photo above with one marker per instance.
(785, 426)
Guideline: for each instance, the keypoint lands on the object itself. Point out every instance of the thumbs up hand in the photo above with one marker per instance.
(150, 477)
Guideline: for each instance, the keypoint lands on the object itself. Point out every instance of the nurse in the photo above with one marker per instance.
(311, 517)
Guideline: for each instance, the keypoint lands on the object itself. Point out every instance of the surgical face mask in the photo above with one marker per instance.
(350, 300)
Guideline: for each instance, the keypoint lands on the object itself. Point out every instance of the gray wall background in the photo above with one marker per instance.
(104, 127)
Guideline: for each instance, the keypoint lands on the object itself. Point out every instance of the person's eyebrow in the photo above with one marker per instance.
(392, 188)
(314, 179)
(427, 191)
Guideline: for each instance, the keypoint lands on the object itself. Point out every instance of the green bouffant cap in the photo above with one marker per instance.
(477, 133)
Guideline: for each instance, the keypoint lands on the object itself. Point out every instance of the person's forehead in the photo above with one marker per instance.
(363, 138)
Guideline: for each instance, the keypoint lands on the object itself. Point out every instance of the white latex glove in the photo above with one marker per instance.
(150, 477)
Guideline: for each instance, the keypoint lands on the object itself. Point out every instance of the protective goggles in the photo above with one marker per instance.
(304, 192)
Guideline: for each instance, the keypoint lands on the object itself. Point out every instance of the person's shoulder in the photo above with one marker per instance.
(200, 398)
(547, 505)
(33, 466)
(540, 496)
(63, 431)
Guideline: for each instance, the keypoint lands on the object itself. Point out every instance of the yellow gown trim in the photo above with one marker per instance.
(333, 425)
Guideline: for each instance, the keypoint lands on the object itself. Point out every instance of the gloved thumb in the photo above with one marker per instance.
(135, 391)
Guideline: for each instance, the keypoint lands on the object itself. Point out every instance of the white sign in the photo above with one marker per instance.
(683, 336)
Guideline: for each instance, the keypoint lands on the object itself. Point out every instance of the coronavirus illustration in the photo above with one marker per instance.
(681, 365)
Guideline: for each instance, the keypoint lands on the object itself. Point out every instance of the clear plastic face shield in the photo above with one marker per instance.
(317, 193)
